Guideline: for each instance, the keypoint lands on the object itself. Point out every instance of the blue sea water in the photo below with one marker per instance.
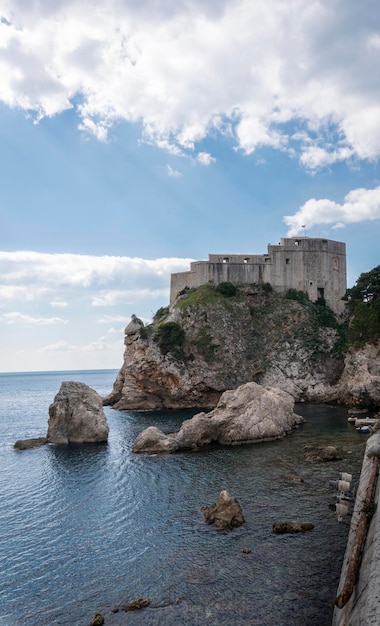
(89, 528)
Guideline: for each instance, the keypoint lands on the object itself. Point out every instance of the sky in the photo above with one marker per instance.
(138, 135)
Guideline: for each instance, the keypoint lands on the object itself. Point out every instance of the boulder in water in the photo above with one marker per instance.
(226, 513)
(77, 415)
(280, 528)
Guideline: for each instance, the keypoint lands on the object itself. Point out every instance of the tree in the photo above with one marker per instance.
(364, 306)
(366, 289)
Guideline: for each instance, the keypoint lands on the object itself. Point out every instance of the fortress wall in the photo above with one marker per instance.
(316, 266)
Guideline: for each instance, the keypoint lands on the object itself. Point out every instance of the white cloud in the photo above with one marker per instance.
(58, 304)
(205, 158)
(173, 173)
(15, 317)
(184, 70)
(359, 205)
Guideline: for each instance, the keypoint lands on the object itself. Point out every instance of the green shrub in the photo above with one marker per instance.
(160, 313)
(299, 296)
(227, 289)
(170, 338)
(267, 288)
(145, 332)
(323, 314)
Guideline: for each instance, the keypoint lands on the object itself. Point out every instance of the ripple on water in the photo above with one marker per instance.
(91, 527)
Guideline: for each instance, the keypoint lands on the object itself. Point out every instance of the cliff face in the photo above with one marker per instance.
(255, 335)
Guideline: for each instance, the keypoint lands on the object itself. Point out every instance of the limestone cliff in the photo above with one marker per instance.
(209, 342)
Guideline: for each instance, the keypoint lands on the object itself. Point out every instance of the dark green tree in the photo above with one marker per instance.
(364, 306)
(366, 288)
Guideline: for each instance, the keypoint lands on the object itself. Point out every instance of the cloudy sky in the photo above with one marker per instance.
(136, 135)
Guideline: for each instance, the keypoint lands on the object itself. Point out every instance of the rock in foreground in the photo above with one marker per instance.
(26, 444)
(280, 528)
(225, 513)
(248, 414)
(77, 415)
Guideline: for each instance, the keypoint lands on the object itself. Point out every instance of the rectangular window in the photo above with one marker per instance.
(287, 261)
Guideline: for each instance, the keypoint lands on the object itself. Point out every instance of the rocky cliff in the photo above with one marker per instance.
(210, 341)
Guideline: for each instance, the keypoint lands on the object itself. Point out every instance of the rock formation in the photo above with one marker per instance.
(244, 415)
(323, 455)
(226, 513)
(77, 416)
(26, 444)
(291, 526)
(257, 335)
(359, 385)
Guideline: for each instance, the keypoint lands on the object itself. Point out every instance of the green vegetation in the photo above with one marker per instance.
(170, 338)
(206, 294)
(363, 301)
(162, 312)
(227, 289)
(323, 315)
(205, 345)
(298, 296)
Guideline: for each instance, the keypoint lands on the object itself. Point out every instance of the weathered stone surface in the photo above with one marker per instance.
(282, 346)
(359, 385)
(226, 513)
(291, 526)
(296, 356)
(26, 444)
(323, 455)
(97, 620)
(134, 326)
(247, 414)
(77, 415)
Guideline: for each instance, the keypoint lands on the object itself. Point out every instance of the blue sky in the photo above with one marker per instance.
(138, 136)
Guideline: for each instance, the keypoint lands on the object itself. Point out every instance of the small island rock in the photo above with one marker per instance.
(26, 444)
(323, 455)
(244, 415)
(77, 415)
(226, 513)
(280, 528)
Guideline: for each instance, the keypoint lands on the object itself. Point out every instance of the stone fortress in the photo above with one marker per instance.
(313, 265)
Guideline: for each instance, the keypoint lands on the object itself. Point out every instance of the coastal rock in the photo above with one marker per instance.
(97, 620)
(26, 444)
(359, 385)
(226, 513)
(77, 415)
(280, 528)
(244, 415)
(297, 356)
(323, 455)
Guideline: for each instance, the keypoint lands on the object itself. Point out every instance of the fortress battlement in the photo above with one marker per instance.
(313, 265)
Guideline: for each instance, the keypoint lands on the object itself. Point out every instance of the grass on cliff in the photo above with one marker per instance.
(208, 294)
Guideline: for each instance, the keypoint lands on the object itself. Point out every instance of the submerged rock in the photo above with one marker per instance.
(26, 444)
(225, 513)
(244, 415)
(323, 455)
(97, 620)
(294, 477)
(280, 528)
(77, 415)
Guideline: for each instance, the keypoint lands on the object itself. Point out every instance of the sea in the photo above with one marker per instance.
(90, 528)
